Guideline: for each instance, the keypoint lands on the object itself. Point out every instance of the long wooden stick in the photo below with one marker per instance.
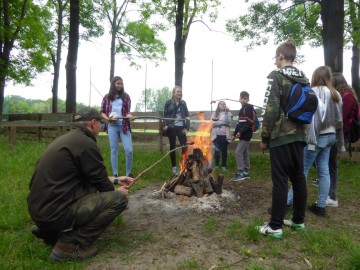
(153, 117)
(157, 162)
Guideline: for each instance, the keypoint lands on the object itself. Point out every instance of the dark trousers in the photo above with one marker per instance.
(87, 217)
(287, 162)
(172, 133)
(333, 164)
(221, 146)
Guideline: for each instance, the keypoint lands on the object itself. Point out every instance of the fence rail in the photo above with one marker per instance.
(145, 130)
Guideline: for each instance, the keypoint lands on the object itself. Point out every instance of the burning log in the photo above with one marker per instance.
(195, 178)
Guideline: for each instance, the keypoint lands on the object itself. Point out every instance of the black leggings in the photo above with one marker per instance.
(172, 134)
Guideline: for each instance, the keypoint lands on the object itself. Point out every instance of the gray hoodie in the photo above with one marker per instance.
(327, 118)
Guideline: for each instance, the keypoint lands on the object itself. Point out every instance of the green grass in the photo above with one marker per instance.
(334, 246)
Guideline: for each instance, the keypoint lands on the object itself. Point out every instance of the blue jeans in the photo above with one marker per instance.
(321, 158)
(114, 132)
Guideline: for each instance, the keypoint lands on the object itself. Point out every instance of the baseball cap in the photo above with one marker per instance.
(87, 114)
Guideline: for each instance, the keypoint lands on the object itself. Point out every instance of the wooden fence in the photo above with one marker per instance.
(46, 127)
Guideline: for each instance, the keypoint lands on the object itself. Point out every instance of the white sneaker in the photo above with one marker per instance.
(266, 230)
(297, 227)
(174, 170)
(331, 203)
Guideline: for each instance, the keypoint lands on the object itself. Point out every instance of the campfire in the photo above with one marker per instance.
(196, 175)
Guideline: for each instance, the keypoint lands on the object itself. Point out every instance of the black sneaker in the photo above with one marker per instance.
(319, 211)
(288, 208)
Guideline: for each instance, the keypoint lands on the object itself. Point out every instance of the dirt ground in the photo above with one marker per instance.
(178, 224)
(170, 217)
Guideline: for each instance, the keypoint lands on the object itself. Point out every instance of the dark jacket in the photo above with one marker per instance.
(170, 112)
(246, 121)
(70, 168)
(276, 128)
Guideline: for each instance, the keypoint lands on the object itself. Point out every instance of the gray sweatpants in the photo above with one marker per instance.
(242, 156)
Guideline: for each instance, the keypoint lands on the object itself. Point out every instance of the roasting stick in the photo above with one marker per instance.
(157, 162)
(151, 117)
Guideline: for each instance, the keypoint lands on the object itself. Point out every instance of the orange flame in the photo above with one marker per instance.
(202, 140)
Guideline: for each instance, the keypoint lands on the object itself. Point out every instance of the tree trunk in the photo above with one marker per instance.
(57, 59)
(112, 48)
(71, 60)
(355, 62)
(179, 44)
(332, 16)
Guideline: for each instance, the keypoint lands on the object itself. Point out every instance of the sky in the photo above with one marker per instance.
(216, 67)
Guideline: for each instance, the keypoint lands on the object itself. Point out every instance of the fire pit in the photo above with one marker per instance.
(195, 177)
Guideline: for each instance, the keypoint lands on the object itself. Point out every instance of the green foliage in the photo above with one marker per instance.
(17, 104)
(23, 40)
(297, 21)
(154, 100)
(132, 35)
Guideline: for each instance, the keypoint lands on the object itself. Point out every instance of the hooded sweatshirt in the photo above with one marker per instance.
(327, 118)
(277, 129)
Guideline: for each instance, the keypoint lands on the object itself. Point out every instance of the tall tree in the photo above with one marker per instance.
(89, 17)
(71, 60)
(332, 17)
(131, 35)
(353, 27)
(297, 20)
(23, 42)
(182, 14)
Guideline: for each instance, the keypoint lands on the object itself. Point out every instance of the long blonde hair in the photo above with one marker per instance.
(173, 93)
(322, 77)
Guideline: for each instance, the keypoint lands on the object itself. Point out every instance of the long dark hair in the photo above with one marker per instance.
(341, 84)
(217, 111)
(113, 92)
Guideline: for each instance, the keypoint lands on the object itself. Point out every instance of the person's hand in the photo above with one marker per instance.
(238, 135)
(165, 127)
(264, 146)
(112, 120)
(130, 116)
(125, 181)
(185, 131)
(123, 189)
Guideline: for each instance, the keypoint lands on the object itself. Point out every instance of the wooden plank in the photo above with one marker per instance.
(66, 117)
(36, 124)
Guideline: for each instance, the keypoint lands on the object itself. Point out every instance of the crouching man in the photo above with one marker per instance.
(72, 200)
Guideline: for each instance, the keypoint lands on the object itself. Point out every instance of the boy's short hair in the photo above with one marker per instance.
(244, 94)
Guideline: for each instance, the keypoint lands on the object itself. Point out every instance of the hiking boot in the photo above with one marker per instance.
(315, 182)
(319, 211)
(331, 203)
(63, 251)
(288, 208)
(246, 175)
(266, 230)
(238, 177)
(293, 225)
(49, 239)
